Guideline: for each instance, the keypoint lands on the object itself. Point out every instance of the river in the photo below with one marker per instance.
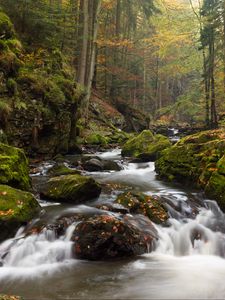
(41, 267)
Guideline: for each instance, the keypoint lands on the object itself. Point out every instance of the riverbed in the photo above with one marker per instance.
(41, 267)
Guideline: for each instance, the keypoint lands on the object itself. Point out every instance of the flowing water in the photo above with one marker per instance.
(188, 262)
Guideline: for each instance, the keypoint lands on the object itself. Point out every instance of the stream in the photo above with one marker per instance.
(41, 267)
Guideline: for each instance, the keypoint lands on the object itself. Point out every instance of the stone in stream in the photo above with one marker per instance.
(145, 146)
(149, 206)
(17, 208)
(14, 169)
(96, 164)
(71, 188)
(108, 237)
(197, 159)
(61, 169)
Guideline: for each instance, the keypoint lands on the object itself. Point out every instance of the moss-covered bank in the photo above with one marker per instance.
(39, 105)
(198, 159)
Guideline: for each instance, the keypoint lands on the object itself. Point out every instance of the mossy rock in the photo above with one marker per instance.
(97, 139)
(118, 137)
(199, 159)
(215, 188)
(187, 159)
(17, 208)
(145, 146)
(6, 27)
(14, 169)
(9, 62)
(139, 203)
(60, 169)
(71, 188)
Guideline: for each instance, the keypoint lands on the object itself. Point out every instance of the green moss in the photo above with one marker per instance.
(71, 188)
(16, 209)
(12, 86)
(221, 166)
(6, 27)
(215, 188)
(118, 137)
(14, 167)
(14, 45)
(9, 62)
(140, 203)
(145, 146)
(97, 139)
(198, 158)
(61, 169)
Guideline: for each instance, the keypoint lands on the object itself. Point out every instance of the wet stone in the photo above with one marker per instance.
(108, 237)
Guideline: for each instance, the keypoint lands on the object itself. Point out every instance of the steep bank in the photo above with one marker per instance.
(39, 98)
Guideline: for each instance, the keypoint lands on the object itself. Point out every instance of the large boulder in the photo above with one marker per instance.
(14, 169)
(108, 237)
(199, 159)
(71, 188)
(17, 208)
(145, 146)
(139, 203)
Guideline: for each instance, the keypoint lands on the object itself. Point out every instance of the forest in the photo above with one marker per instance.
(112, 149)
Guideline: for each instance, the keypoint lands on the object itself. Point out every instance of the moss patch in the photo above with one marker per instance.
(6, 27)
(71, 188)
(14, 168)
(145, 146)
(199, 159)
(17, 208)
(60, 169)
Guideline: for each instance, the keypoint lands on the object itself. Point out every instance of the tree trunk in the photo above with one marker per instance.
(83, 54)
(93, 56)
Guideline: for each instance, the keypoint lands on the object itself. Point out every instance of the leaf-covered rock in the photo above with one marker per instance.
(17, 208)
(71, 188)
(108, 237)
(139, 203)
(145, 146)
